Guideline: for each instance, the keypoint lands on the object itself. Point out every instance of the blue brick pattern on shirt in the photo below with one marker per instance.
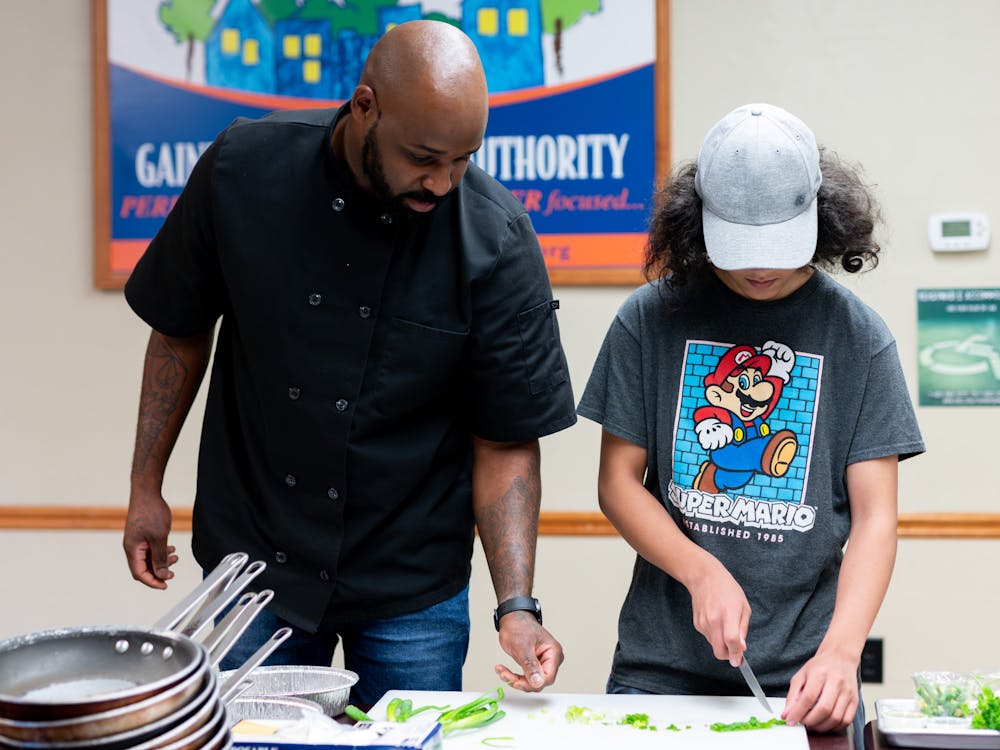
(795, 411)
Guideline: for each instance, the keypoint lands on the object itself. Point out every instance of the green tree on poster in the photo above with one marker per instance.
(189, 21)
(360, 17)
(559, 15)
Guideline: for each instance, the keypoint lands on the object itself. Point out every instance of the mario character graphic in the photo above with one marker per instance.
(741, 392)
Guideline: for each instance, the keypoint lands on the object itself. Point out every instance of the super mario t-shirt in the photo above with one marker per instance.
(750, 413)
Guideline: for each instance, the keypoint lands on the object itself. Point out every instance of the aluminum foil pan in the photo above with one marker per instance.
(327, 686)
(262, 708)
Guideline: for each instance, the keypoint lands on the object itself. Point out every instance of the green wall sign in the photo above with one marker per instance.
(958, 335)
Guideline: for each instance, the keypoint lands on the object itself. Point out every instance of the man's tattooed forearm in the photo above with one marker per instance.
(163, 382)
(513, 521)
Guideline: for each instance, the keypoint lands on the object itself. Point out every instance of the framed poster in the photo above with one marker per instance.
(958, 334)
(578, 126)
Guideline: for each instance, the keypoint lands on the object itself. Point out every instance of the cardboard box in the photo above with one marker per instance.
(329, 735)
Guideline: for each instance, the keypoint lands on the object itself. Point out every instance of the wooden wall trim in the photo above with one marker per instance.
(552, 523)
(911, 525)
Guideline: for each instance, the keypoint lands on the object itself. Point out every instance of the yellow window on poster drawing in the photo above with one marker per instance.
(488, 21)
(311, 71)
(251, 52)
(517, 22)
(314, 45)
(230, 41)
(292, 46)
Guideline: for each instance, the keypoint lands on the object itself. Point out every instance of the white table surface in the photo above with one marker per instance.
(537, 720)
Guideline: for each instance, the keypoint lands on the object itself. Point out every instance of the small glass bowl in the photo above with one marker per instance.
(943, 694)
(896, 719)
(990, 679)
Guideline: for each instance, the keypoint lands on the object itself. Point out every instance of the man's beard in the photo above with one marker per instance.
(371, 165)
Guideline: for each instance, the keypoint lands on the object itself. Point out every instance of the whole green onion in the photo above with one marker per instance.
(476, 713)
(357, 714)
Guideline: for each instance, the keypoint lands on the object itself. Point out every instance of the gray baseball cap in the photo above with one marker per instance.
(758, 175)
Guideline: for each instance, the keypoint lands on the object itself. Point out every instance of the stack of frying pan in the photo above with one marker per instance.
(112, 688)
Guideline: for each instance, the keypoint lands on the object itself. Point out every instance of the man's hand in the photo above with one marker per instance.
(147, 526)
(506, 494)
(534, 649)
(171, 374)
(823, 694)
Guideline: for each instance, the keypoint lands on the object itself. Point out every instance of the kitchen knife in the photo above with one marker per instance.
(751, 680)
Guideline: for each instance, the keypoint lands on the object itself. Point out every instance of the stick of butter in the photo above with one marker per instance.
(252, 727)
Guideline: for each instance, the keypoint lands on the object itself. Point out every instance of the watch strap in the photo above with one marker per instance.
(517, 603)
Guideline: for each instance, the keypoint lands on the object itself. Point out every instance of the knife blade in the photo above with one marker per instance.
(751, 680)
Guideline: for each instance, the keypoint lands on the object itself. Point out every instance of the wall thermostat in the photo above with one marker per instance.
(956, 231)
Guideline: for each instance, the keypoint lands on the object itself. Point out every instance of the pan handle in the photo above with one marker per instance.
(208, 611)
(238, 690)
(237, 620)
(225, 624)
(215, 581)
(233, 683)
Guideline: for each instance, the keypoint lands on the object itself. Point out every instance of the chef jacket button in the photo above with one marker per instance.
(280, 557)
(332, 493)
(341, 404)
(324, 576)
(290, 480)
(294, 393)
(364, 311)
(338, 204)
(386, 219)
(315, 299)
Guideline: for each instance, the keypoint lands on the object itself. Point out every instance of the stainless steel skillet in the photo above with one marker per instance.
(80, 671)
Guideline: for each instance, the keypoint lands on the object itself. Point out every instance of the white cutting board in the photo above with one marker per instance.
(536, 721)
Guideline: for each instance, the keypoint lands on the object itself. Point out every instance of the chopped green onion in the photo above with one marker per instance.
(584, 715)
(639, 721)
(753, 723)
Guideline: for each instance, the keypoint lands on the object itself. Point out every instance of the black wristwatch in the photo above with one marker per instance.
(526, 603)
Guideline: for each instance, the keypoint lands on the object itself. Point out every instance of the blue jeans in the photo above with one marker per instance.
(857, 726)
(423, 650)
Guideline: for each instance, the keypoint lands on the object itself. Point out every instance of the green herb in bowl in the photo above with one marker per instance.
(987, 713)
(942, 694)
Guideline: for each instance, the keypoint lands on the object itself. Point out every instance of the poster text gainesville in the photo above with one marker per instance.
(162, 169)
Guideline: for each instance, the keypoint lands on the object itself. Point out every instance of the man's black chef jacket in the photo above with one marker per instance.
(358, 350)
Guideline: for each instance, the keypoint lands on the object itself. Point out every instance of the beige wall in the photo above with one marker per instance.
(906, 88)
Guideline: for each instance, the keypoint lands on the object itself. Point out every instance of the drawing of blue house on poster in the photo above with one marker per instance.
(299, 56)
(180, 71)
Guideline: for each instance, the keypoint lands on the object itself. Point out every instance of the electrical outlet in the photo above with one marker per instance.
(871, 661)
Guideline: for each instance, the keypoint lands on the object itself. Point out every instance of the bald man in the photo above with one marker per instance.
(387, 358)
